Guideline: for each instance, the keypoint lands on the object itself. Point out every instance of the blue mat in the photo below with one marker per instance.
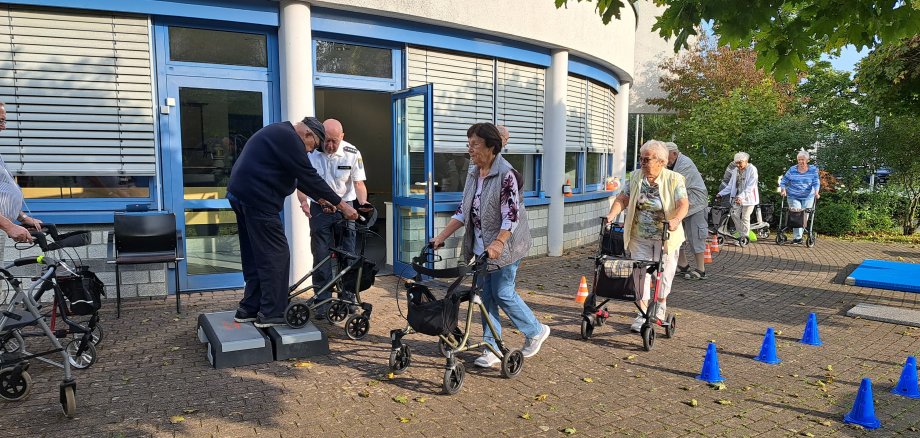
(882, 274)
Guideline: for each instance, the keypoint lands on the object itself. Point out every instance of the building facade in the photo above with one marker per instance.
(113, 104)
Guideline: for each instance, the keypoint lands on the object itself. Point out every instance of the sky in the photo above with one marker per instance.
(848, 58)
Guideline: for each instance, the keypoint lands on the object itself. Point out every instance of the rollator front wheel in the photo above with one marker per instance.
(763, 233)
(671, 328)
(297, 315)
(68, 401)
(512, 363)
(357, 326)
(14, 387)
(82, 360)
(97, 334)
(780, 238)
(587, 329)
(648, 337)
(400, 359)
(743, 241)
(11, 343)
(810, 240)
(453, 378)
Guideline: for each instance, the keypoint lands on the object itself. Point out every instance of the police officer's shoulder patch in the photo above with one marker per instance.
(350, 149)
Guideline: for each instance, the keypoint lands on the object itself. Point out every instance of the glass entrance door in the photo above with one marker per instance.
(208, 126)
(413, 185)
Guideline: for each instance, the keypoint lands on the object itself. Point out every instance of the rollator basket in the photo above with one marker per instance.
(618, 279)
(431, 316)
(83, 291)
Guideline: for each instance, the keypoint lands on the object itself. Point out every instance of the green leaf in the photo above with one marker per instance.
(569, 430)
(525, 416)
(401, 399)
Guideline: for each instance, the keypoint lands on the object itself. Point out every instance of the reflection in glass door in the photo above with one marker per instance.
(215, 118)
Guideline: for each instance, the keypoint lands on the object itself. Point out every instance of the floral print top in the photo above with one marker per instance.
(649, 211)
(510, 202)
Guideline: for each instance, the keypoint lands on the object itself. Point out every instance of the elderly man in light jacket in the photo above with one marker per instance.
(743, 192)
(696, 229)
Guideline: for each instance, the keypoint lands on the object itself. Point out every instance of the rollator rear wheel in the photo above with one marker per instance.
(720, 239)
(357, 326)
(97, 334)
(512, 363)
(763, 233)
(743, 241)
(297, 315)
(68, 401)
(453, 378)
(671, 328)
(85, 359)
(810, 240)
(648, 337)
(13, 387)
(337, 312)
(400, 359)
(587, 329)
(780, 238)
(12, 343)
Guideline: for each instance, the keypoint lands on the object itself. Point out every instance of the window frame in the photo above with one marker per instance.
(335, 80)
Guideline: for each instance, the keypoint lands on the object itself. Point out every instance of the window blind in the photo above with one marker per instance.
(519, 105)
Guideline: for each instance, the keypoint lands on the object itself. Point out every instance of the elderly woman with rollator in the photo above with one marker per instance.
(652, 198)
(494, 221)
(800, 185)
(743, 192)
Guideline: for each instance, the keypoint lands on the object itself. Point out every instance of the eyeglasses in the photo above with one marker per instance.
(472, 145)
(644, 160)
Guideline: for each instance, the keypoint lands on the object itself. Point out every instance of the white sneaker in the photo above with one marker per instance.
(487, 360)
(662, 313)
(637, 324)
(532, 346)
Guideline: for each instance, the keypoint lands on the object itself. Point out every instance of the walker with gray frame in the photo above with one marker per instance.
(617, 277)
(723, 227)
(439, 317)
(23, 312)
(351, 274)
(790, 218)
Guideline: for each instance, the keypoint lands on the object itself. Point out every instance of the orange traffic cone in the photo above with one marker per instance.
(707, 256)
(582, 291)
(715, 243)
(567, 189)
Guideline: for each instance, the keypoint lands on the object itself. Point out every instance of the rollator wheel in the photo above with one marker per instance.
(648, 337)
(763, 233)
(453, 378)
(83, 360)
(720, 239)
(13, 387)
(68, 401)
(587, 329)
(297, 315)
(512, 364)
(400, 359)
(671, 328)
(337, 312)
(357, 326)
(97, 334)
(743, 241)
(780, 238)
(810, 240)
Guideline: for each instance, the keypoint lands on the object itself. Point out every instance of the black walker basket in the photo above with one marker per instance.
(431, 316)
(368, 276)
(83, 292)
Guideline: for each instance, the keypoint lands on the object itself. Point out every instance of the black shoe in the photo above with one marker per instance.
(796, 242)
(242, 316)
(266, 322)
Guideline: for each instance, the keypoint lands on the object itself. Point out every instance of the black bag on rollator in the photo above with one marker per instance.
(431, 316)
(83, 291)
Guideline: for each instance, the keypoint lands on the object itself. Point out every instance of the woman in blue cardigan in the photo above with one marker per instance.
(800, 185)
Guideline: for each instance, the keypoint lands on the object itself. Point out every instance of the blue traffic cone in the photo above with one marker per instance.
(863, 412)
(768, 349)
(710, 372)
(907, 386)
(811, 336)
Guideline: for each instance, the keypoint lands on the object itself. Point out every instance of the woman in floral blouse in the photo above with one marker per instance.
(495, 222)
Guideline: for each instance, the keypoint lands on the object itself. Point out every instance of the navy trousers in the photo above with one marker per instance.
(325, 234)
(266, 261)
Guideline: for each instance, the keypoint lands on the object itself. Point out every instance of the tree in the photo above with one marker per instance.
(784, 33)
(890, 77)
(829, 97)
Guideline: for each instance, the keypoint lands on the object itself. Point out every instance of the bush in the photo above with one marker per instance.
(835, 219)
(873, 220)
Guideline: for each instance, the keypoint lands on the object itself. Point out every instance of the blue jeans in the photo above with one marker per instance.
(498, 291)
(808, 202)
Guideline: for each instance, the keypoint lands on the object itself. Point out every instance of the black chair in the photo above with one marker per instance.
(141, 239)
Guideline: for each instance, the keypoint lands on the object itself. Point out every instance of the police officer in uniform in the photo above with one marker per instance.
(341, 166)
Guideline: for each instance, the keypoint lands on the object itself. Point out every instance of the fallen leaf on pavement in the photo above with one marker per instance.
(719, 386)
(401, 399)
(692, 403)
(540, 397)
(829, 368)
(304, 364)
(421, 399)
(569, 431)
(175, 348)
(525, 416)
(631, 357)
(364, 394)
(189, 410)
(587, 380)
(404, 420)
(724, 402)
(176, 419)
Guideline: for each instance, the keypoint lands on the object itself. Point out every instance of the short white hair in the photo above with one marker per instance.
(803, 154)
(742, 156)
(657, 147)
(672, 147)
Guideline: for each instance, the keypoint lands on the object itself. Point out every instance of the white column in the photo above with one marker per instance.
(554, 148)
(296, 61)
(620, 131)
